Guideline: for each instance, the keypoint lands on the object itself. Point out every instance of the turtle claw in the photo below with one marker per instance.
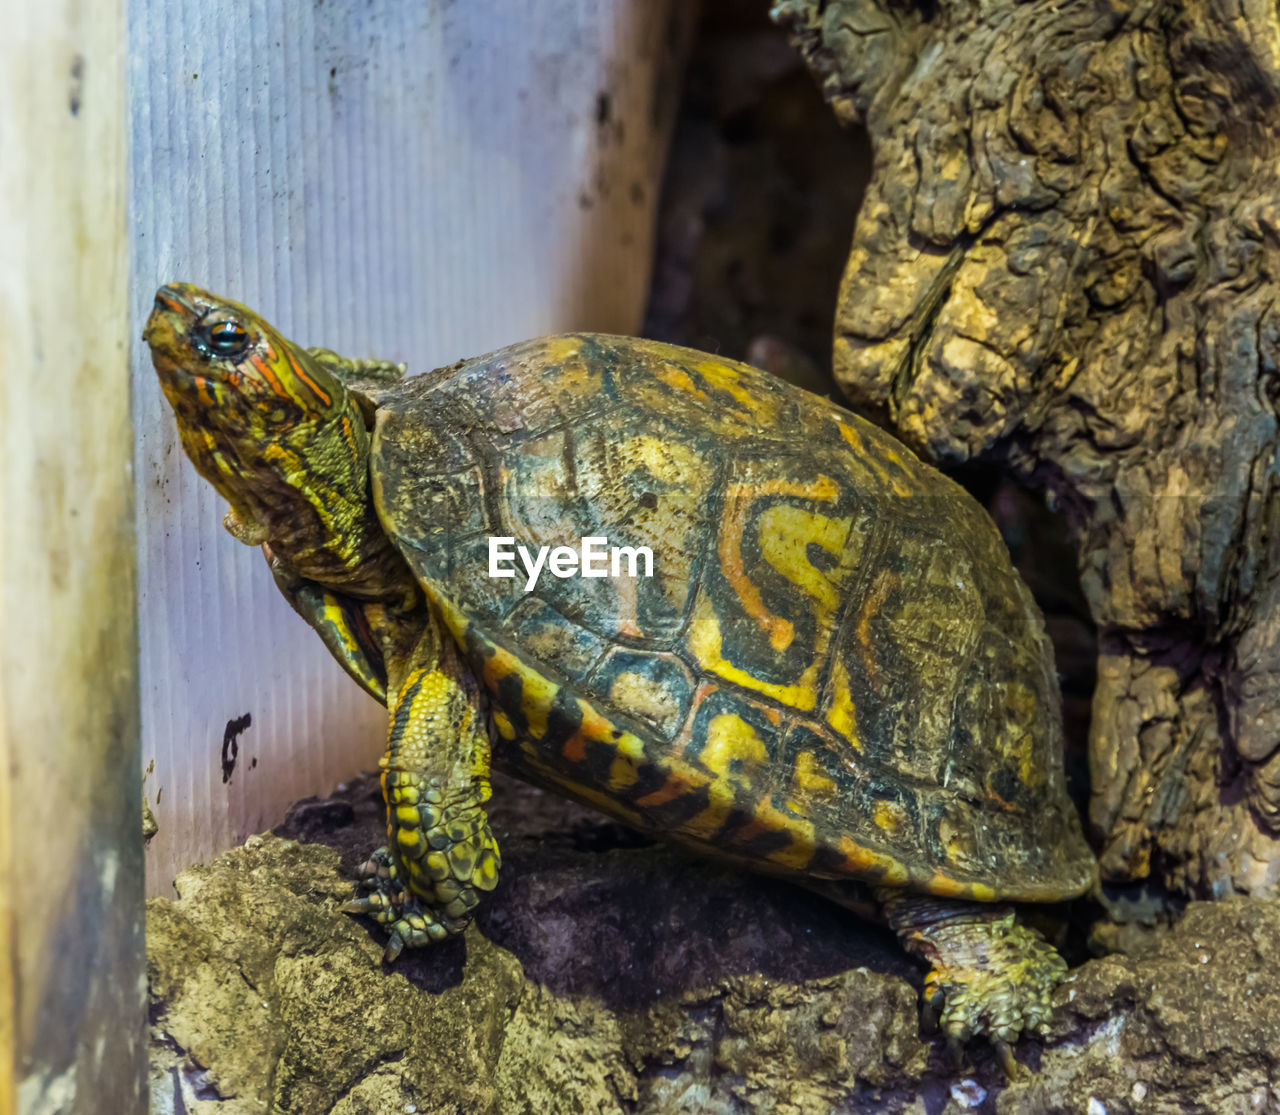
(416, 927)
(931, 1010)
(409, 922)
(997, 983)
(395, 945)
(370, 906)
(989, 975)
(376, 871)
(1013, 1070)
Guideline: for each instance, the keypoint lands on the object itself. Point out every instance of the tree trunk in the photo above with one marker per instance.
(1067, 262)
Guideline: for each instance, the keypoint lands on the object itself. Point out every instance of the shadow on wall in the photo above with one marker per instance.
(758, 201)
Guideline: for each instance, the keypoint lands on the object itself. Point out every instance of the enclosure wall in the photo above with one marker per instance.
(70, 837)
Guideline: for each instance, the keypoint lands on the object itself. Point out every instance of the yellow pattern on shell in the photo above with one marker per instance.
(560, 349)
(705, 641)
(1021, 703)
(737, 756)
(785, 532)
(863, 861)
(809, 781)
(803, 844)
(623, 773)
(894, 478)
(669, 462)
(537, 696)
(842, 715)
(946, 887)
(704, 824)
(677, 377)
(628, 748)
(761, 408)
(740, 499)
(730, 740)
(889, 816)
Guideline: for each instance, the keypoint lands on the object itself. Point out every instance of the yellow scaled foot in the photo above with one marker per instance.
(409, 923)
(989, 975)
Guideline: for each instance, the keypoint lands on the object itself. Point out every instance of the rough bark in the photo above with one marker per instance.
(1067, 263)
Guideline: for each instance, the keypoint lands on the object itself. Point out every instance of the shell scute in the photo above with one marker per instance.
(552, 637)
(635, 490)
(725, 400)
(530, 386)
(655, 686)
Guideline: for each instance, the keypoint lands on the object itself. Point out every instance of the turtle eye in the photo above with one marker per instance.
(227, 337)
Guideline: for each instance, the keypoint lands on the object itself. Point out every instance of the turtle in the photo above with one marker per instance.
(743, 619)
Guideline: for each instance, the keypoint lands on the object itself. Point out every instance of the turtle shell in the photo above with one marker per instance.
(832, 671)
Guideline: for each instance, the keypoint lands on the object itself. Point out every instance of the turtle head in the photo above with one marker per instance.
(274, 431)
(223, 368)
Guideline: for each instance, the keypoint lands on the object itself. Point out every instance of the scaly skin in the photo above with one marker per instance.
(435, 781)
(274, 428)
(988, 974)
(281, 439)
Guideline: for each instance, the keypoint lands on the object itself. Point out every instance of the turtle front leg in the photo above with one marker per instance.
(441, 853)
(988, 974)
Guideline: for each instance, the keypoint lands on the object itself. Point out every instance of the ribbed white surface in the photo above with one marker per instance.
(421, 182)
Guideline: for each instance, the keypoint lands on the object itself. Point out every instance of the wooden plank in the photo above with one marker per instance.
(70, 846)
(417, 181)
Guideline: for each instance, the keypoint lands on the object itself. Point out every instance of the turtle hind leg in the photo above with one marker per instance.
(988, 974)
(441, 853)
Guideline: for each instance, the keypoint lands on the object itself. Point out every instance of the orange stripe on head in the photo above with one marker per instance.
(349, 440)
(268, 373)
(319, 392)
(169, 304)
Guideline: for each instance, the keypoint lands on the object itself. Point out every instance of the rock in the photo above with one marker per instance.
(1193, 1024)
(608, 974)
